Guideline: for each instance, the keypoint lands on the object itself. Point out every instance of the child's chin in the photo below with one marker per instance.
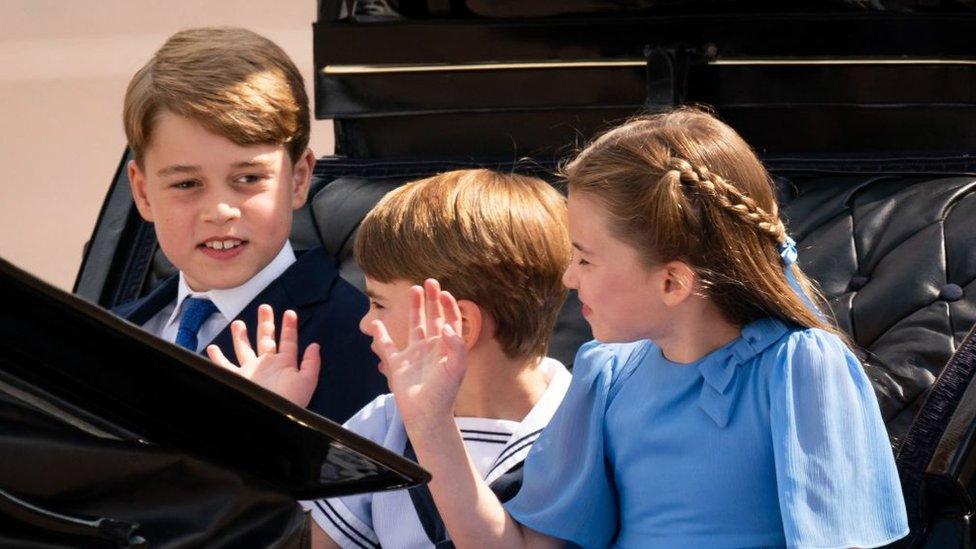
(225, 282)
(606, 336)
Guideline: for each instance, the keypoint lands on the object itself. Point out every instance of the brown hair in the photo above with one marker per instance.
(499, 240)
(682, 185)
(232, 81)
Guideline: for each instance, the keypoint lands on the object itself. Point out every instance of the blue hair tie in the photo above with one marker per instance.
(788, 253)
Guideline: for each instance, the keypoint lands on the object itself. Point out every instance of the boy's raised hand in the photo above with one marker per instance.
(273, 366)
(426, 374)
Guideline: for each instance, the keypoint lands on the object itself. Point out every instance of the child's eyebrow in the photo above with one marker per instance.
(370, 294)
(178, 168)
(580, 248)
(252, 164)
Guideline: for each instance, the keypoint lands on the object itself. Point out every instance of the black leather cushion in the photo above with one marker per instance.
(896, 256)
(338, 209)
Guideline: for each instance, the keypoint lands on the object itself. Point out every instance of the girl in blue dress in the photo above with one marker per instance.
(717, 407)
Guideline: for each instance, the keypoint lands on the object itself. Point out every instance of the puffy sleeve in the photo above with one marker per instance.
(567, 488)
(348, 520)
(835, 471)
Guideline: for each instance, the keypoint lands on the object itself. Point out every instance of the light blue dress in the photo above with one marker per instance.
(773, 440)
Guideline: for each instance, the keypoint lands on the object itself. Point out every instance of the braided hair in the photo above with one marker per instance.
(682, 185)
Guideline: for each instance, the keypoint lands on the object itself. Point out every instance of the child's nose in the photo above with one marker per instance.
(364, 323)
(569, 277)
(222, 211)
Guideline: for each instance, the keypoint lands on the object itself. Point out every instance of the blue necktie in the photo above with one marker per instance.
(195, 312)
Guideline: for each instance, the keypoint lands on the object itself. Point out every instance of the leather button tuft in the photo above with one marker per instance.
(951, 292)
(859, 282)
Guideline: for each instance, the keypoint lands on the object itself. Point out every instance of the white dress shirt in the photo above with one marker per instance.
(230, 302)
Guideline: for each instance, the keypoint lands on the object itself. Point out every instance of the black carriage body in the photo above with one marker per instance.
(865, 112)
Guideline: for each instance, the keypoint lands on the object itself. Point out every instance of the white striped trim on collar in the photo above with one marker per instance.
(531, 427)
(342, 520)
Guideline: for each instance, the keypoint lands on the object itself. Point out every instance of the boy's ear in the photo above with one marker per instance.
(137, 183)
(472, 322)
(301, 175)
(678, 280)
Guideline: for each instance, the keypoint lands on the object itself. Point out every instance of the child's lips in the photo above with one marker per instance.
(586, 310)
(224, 253)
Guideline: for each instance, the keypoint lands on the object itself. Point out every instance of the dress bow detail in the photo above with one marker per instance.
(720, 387)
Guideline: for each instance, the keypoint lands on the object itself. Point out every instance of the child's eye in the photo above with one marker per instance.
(250, 179)
(184, 185)
(375, 305)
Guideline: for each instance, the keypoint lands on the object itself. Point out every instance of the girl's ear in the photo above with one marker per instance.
(137, 183)
(301, 176)
(678, 281)
(472, 322)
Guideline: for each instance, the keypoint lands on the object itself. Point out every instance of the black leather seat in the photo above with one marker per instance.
(895, 255)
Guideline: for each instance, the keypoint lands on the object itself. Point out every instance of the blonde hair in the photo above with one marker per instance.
(232, 81)
(499, 240)
(681, 185)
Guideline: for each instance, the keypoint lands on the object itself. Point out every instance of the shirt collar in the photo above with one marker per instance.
(231, 301)
(558, 378)
(535, 421)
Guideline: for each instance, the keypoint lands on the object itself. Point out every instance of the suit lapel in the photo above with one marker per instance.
(140, 311)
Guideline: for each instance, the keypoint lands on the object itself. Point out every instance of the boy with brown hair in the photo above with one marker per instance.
(499, 244)
(218, 123)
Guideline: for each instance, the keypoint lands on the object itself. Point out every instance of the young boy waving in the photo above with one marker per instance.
(218, 124)
(499, 244)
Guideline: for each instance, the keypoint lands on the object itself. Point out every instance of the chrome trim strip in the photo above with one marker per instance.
(535, 65)
(864, 61)
(380, 69)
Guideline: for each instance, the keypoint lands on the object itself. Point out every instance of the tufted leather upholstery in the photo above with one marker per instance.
(894, 253)
(896, 257)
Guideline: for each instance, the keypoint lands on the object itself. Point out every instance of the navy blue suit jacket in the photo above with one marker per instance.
(328, 308)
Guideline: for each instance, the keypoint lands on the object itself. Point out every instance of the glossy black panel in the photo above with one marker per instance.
(372, 95)
(774, 130)
(738, 35)
(61, 473)
(723, 86)
(330, 10)
(163, 394)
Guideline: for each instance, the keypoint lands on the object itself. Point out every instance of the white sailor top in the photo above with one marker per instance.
(407, 518)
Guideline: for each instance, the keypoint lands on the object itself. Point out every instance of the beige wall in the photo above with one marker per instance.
(63, 71)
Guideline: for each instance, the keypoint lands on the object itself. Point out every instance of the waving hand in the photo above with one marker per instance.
(272, 365)
(426, 374)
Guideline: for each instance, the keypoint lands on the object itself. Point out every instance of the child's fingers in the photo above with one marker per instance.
(242, 346)
(289, 335)
(378, 351)
(452, 313)
(382, 342)
(432, 307)
(218, 358)
(418, 327)
(311, 364)
(455, 351)
(266, 330)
